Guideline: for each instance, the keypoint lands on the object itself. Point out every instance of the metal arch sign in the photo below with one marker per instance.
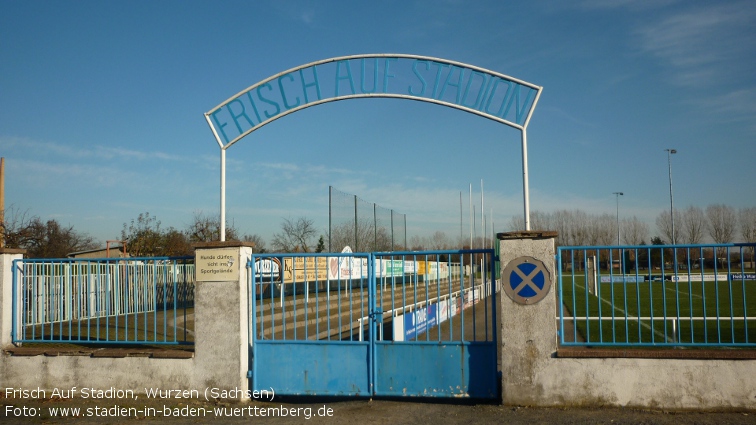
(469, 88)
(422, 78)
(526, 280)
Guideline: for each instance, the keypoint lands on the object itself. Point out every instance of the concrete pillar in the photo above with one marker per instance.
(221, 317)
(528, 331)
(7, 255)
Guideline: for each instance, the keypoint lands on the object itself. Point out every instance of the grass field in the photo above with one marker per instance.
(659, 312)
(155, 327)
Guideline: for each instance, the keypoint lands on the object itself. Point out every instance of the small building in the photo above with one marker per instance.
(115, 251)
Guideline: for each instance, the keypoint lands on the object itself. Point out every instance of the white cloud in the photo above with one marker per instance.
(703, 44)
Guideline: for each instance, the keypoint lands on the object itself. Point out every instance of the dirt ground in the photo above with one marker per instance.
(351, 412)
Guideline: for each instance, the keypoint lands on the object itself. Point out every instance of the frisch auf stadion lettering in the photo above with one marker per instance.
(466, 87)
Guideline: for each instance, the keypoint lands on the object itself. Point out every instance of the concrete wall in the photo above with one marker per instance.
(221, 354)
(531, 372)
(65, 372)
(533, 375)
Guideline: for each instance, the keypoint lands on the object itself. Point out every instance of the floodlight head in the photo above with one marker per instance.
(621, 194)
(673, 151)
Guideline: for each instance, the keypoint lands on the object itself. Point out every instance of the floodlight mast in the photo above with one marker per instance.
(617, 195)
(671, 152)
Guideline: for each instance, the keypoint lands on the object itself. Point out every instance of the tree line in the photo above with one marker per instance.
(42, 239)
(146, 236)
(721, 223)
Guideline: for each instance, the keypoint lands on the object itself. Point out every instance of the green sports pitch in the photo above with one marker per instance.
(638, 310)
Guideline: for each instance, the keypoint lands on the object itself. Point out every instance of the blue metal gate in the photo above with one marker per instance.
(374, 324)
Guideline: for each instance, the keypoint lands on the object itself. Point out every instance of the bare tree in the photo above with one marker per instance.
(295, 236)
(205, 228)
(722, 222)
(362, 238)
(540, 221)
(634, 231)
(418, 243)
(257, 240)
(359, 238)
(747, 219)
(664, 225)
(143, 236)
(561, 222)
(516, 224)
(341, 235)
(693, 224)
(51, 240)
(439, 241)
(175, 243)
(383, 240)
(602, 230)
(16, 225)
(42, 239)
(580, 223)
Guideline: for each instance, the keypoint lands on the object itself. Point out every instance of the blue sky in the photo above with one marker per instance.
(102, 103)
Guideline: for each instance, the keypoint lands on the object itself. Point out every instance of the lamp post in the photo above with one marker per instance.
(671, 152)
(618, 194)
(619, 251)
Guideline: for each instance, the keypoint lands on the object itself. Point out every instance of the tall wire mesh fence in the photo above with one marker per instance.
(363, 226)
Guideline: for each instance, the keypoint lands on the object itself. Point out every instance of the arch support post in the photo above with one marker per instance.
(525, 190)
(223, 196)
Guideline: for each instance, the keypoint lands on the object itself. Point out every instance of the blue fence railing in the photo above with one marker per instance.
(104, 301)
(325, 296)
(658, 295)
(372, 324)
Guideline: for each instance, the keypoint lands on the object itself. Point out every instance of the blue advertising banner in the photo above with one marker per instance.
(419, 321)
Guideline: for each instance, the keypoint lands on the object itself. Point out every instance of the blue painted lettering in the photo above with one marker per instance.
(520, 114)
(481, 91)
(481, 107)
(492, 94)
(315, 83)
(458, 84)
(440, 66)
(242, 113)
(219, 125)
(419, 77)
(254, 107)
(375, 77)
(436, 80)
(347, 77)
(386, 74)
(283, 92)
(268, 101)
